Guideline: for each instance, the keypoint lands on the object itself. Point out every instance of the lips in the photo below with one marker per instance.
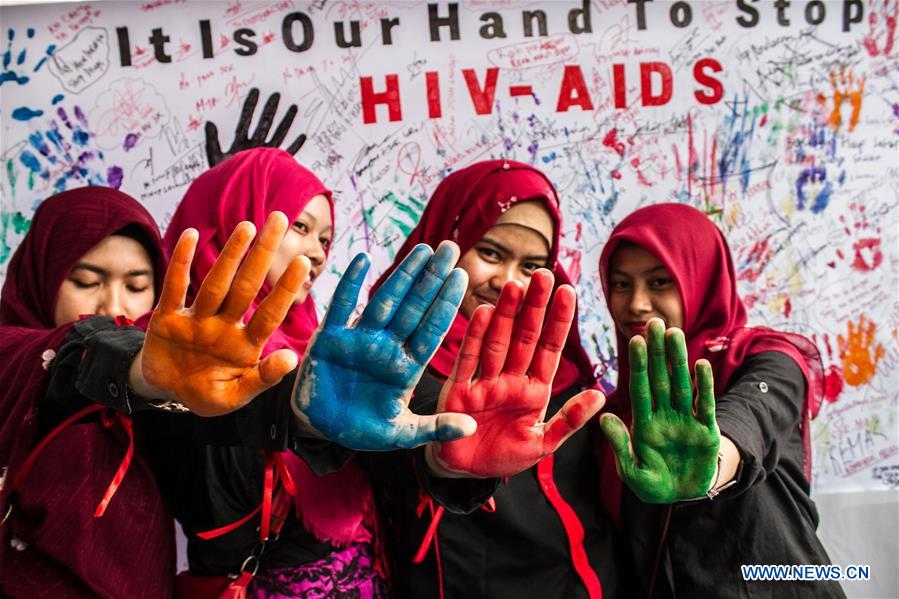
(636, 327)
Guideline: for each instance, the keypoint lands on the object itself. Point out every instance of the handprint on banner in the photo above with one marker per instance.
(846, 88)
(242, 139)
(859, 353)
(833, 374)
(60, 155)
(882, 27)
(19, 70)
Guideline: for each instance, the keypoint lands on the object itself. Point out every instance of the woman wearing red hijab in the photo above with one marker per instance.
(744, 454)
(92, 250)
(543, 533)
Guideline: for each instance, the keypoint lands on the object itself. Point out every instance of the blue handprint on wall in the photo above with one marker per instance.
(63, 153)
(19, 70)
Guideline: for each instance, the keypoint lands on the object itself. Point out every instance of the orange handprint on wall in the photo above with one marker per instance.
(843, 91)
(859, 353)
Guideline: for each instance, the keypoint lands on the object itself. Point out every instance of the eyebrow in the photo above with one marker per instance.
(105, 273)
(503, 248)
(616, 271)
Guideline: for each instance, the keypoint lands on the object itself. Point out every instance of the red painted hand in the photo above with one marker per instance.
(509, 396)
(204, 356)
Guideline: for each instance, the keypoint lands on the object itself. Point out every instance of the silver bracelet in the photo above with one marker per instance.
(169, 405)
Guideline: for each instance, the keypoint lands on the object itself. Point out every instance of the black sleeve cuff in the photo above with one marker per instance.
(457, 495)
(94, 360)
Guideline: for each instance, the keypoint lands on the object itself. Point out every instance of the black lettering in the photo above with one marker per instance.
(287, 32)
(435, 21)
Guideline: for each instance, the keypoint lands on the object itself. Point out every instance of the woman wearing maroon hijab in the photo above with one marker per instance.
(92, 250)
(744, 456)
(543, 533)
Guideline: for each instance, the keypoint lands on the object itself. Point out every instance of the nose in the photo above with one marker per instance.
(111, 301)
(316, 254)
(641, 300)
(502, 274)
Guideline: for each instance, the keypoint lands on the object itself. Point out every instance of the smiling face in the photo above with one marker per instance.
(512, 249)
(640, 288)
(115, 277)
(310, 235)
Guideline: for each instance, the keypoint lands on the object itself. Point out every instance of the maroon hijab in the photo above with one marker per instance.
(696, 254)
(463, 208)
(55, 509)
(248, 186)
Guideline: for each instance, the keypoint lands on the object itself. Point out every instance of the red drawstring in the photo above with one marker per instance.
(425, 501)
(123, 467)
(574, 530)
(275, 471)
(29, 462)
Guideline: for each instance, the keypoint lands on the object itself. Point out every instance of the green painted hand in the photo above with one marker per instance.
(671, 452)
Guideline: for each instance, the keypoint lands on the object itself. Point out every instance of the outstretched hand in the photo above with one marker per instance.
(510, 394)
(671, 452)
(356, 381)
(204, 356)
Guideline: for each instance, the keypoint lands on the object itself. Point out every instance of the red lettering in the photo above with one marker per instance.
(481, 97)
(432, 80)
(647, 69)
(716, 90)
(619, 84)
(370, 99)
(574, 90)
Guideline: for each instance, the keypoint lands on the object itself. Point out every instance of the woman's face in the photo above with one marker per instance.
(640, 288)
(310, 236)
(506, 252)
(114, 278)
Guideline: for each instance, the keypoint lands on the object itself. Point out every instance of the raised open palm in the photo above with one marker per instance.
(509, 396)
(356, 381)
(203, 355)
(671, 453)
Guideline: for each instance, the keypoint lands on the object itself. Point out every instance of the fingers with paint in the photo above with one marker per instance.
(671, 451)
(503, 379)
(356, 380)
(204, 356)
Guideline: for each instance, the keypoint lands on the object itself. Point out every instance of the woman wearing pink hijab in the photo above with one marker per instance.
(218, 476)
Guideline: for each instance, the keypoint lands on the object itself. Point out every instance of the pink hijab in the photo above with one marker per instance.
(248, 186)
(336, 507)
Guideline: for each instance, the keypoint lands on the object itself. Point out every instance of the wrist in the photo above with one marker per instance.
(437, 467)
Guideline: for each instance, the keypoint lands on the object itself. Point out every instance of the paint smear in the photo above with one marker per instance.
(23, 113)
(859, 352)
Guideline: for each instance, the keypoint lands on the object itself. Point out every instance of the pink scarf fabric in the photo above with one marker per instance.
(249, 186)
(696, 254)
(72, 554)
(462, 209)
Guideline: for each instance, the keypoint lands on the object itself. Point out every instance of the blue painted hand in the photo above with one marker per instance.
(356, 381)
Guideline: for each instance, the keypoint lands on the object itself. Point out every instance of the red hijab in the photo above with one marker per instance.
(463, 208)
(70, 476)
(696, 254)
(248, 186)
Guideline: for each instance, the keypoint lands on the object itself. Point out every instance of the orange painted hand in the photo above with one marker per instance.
(858, 352)
(203, 355)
